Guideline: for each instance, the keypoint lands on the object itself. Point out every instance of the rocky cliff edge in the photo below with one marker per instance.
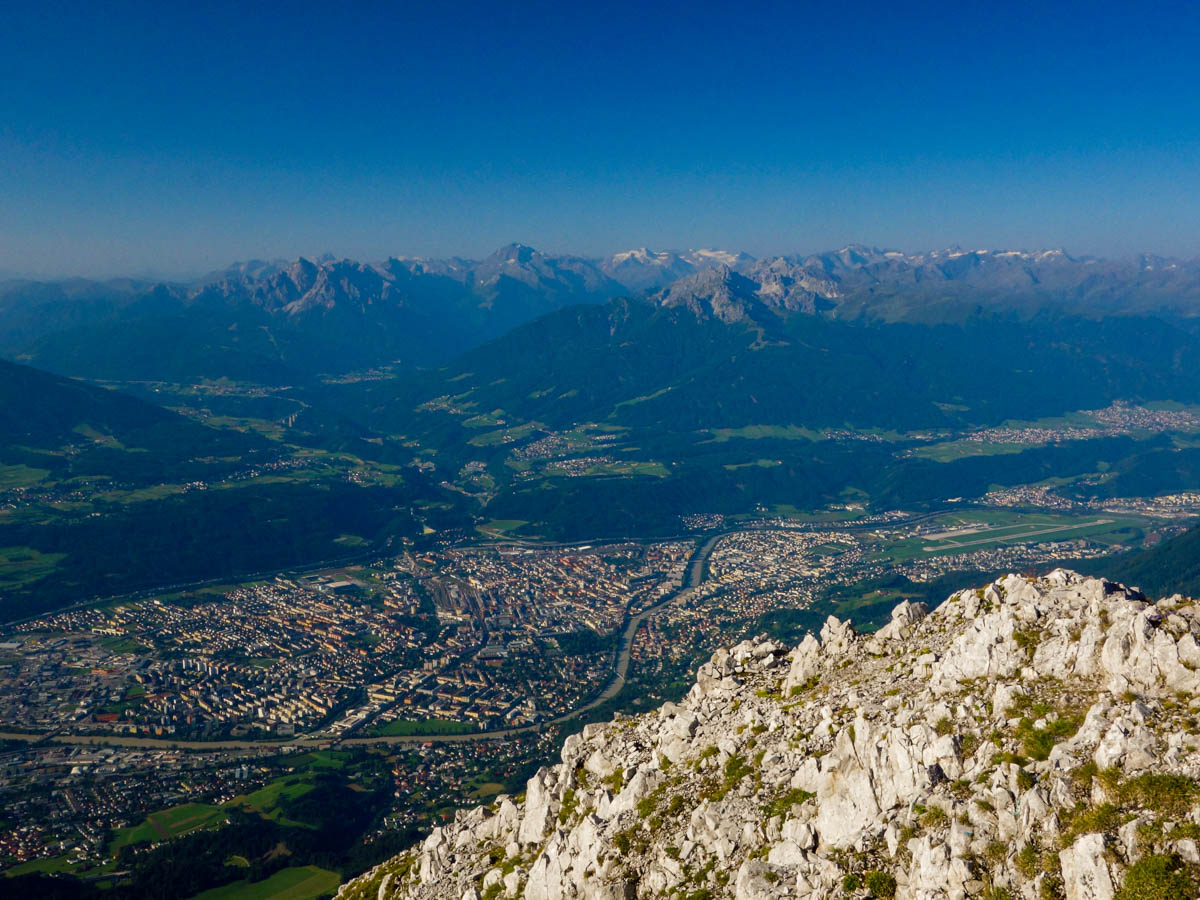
(1036, 738)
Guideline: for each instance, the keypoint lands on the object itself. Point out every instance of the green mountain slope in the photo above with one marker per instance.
(102, 493)
(70, 429)
(602, 420)
(633, 363)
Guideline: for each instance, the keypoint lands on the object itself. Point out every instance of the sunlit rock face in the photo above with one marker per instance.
(1032, 738)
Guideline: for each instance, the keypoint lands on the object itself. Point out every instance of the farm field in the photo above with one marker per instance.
(266, 800)
(168, 823)
(404, 727)
(295, 883)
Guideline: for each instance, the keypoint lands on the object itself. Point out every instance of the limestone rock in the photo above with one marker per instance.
(1000, 741)
(1084, 870)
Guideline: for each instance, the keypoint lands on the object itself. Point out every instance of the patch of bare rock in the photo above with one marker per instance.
(1036, 738)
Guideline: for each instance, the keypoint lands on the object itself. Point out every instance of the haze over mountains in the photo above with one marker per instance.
(279, 322)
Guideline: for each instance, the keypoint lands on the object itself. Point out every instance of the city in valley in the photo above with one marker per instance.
(435, 677)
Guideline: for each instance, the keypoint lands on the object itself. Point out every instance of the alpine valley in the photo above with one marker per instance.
(412, 578)
(561, 398)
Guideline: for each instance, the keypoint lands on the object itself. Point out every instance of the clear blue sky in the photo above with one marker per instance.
(177, 137)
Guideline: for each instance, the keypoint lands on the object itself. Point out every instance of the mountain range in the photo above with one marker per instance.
(484, 389)
(275, 322)
(417, 356)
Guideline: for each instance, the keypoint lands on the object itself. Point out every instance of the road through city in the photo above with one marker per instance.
(693, 578)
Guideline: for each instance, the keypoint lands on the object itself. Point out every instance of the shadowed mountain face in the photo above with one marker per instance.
(274, 322)
(74, 429)
(104, 494)
(41, 410)
(712, 352)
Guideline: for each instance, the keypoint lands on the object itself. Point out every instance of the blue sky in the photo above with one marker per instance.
(174, 138)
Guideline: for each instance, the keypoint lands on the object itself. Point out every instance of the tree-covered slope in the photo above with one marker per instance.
(634, 363)
(1172, 567)
(73, 429)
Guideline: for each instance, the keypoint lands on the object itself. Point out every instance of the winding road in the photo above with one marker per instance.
(695, 574)
(693, 579)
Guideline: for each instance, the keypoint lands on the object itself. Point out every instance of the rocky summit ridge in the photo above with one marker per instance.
(1036, 738)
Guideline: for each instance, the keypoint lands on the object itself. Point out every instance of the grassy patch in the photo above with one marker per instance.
(169, 823)
(268, 428)
(320, 761)
(117, 643)
(1158, 878)
(1038, 742)
(265, 801)
(782, 805)
(969, 532)
(635, 400)
(485, 420)
(52, 865)
(1171, 796)
(486, 791)
(20, 476)
(140, 495)
(761, 432)
(294, 883)
(950, 451)
(502, 436)
(758, 463)
(500, 526)
(1104, 817)
(24, 565)
(403, 727)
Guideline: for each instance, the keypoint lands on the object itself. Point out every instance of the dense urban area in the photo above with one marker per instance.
(433, 678)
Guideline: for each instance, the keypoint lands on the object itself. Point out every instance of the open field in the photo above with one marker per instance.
(169, 823)
(632, 467)
(119, 643)
(495, 527)
(760, 463)
(502, 436)
(266, 800)
(972, 537)
(404, 727)
(949, 451)
(24, 565)
(266, 427)
(759, 432)
(20, 476)
(293, 883)
(52, 865)
(487, 790)
(485, 420)
(320, 761)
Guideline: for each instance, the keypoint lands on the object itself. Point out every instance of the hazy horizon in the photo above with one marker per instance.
(138, 139)
(184, 276)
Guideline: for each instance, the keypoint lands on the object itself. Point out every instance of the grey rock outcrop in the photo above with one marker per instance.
(1034, 738)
